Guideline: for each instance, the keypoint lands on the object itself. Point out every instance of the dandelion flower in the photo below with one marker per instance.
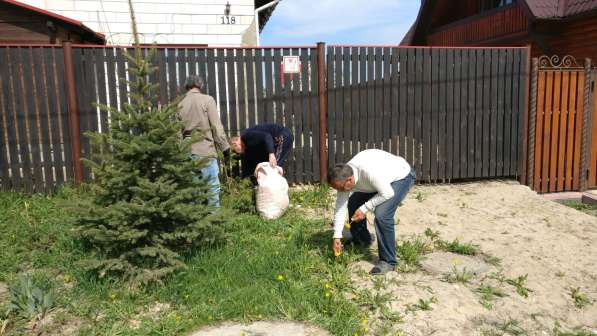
(328, 294)
(280, 277)
(210, 318)
(347, 226)
(327, 285)
(337, 254)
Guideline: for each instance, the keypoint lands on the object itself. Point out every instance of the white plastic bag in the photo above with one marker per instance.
(272, 191)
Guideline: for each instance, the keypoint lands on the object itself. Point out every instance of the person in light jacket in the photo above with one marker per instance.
(199, 111)
(372, 181)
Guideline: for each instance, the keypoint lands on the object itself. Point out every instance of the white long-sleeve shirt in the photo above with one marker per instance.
(374, 171)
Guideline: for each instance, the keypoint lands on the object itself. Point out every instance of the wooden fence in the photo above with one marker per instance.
(563, 134)
(454, 113)
(36, 153)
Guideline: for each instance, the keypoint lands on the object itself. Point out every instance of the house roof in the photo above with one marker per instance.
(75, 25)
(539, 9)
(266, 14)
(558, 9)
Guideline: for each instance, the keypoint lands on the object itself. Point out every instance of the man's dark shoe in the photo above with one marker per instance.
(381, 268)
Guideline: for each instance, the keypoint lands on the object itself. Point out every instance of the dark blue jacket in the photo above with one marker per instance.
(259, 143)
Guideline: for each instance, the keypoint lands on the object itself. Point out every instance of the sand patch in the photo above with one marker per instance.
(262, 329)
(547, 247)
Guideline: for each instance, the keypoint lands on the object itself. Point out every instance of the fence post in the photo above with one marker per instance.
(323, 113)
(524, 159)
(532, 125)
(586, 127)
(73, 111)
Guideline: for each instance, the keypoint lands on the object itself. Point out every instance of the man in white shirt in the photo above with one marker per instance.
(373, 181)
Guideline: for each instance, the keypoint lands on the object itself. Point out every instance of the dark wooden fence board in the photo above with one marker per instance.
(355, 101)
(412, 104)
(478, 153)
(21, 112)
(41, 127)
(508, 105)
(334, 101)
(500, 115)
(313, 135)
(378, 99)
(7, 67)
(241, 89)
(269, 84)
(386, 121)
(449, 141)
(434, 114)
(470, 123)
(402, 75)
(261, 111)
(8, 151)
(45, 117)
(250, 69)
(32, 103)
(304, 106)
(442, 121)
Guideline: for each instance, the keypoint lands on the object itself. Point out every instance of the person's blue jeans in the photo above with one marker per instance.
(384, 219)
(211, 174)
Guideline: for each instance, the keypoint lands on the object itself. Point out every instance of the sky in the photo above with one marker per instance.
(362, 22)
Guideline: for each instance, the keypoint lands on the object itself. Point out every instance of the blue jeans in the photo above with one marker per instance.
(384, 219)
(211, 174)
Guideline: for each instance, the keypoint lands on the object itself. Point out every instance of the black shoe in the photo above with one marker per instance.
(381, 268)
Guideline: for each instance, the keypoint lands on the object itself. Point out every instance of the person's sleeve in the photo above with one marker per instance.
(217, 129)
(384, 193)
(340, 213)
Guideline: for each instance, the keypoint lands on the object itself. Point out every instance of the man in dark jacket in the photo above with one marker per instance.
(262, 143)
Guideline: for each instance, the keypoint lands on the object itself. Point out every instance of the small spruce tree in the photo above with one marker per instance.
(146, 207)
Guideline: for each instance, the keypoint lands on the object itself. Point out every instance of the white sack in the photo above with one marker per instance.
(272, 191)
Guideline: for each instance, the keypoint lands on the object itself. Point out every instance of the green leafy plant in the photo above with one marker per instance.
(494, 261)
(519, 284)
(372, 300)
(489, 294)
(512, 327)
(30, 300)
(578, 331)
(422, 304)
(457, 247)
(420, 197)
(432, 235)
(580, 300)
(462, 276)
(410, 252)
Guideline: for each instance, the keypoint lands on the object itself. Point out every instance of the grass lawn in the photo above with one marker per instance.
(278, 270)
(590, 209)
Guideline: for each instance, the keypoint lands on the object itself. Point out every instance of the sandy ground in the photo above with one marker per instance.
(265, 328)
(553, 244)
